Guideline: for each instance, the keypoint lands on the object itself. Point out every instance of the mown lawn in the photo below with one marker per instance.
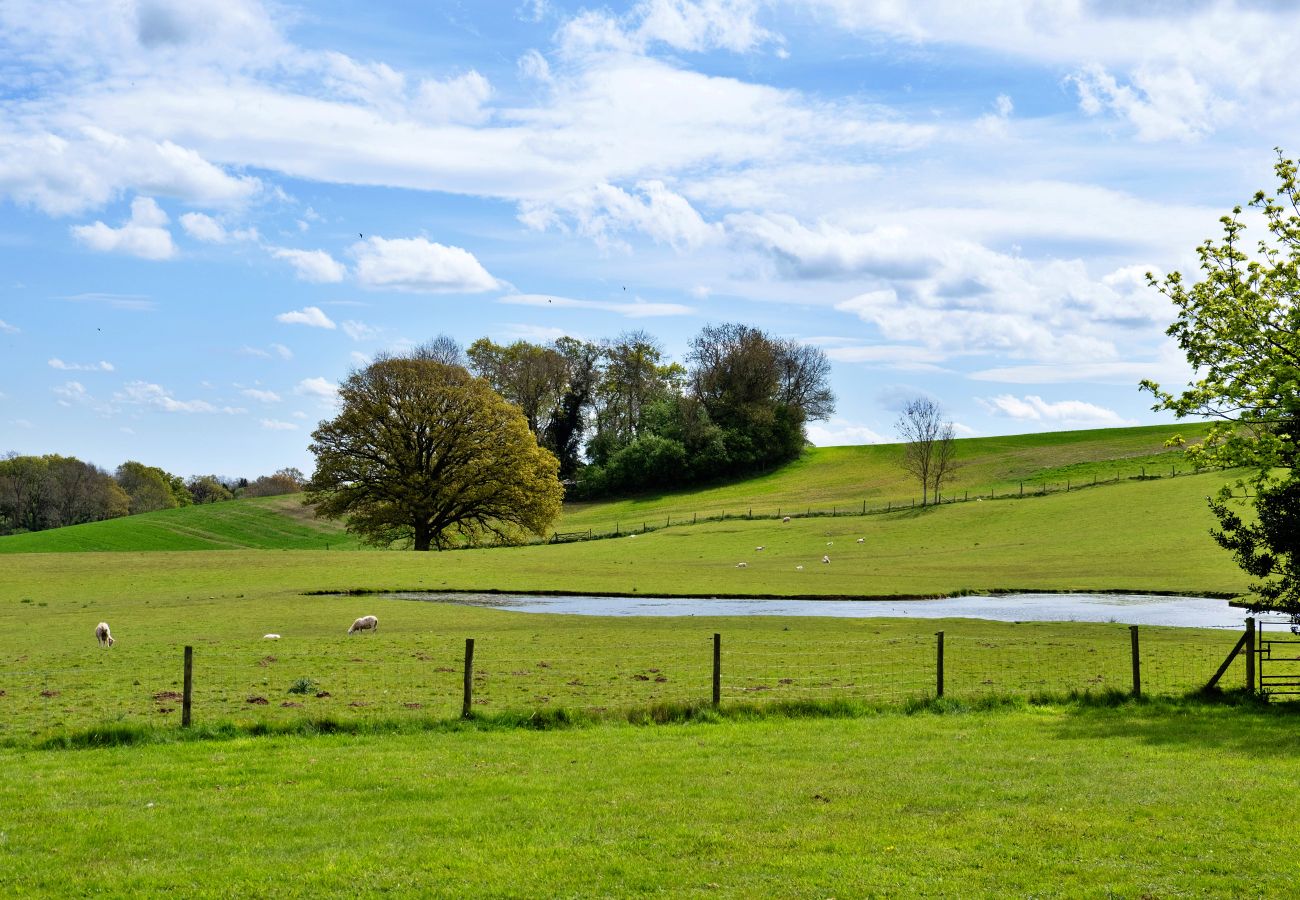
(1061, 801)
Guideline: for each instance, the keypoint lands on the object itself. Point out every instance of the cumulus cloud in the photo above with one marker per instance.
(308, 315)
(688, 25)
(204, 228)
(606, 210)
(145, 393)
(69, 173)
(633, 309)
(1032, 408)
(418, 265)
(317, 387)
(263, 396)
(838, 432)
(278, 425)
(315, 266)
(6, 328)
(101, 366)
(142, 235)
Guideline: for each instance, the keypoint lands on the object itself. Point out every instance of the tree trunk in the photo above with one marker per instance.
(423, 536)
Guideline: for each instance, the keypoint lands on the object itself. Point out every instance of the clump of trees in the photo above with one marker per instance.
(738, 405)
(42, 492)
(1240, 329)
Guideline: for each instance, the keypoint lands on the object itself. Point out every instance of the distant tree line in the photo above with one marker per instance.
(619, 416)
(41, 492)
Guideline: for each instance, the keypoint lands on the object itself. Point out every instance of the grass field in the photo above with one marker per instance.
(825, 479)
(1059, 801)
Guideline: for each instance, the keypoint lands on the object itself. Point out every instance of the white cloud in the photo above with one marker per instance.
(71, 392)
(358, 358)
(299, 414)
(317, 387)
(360, 331)
(278, 425)
(633, 309)
(144, 393)
(418, 265)
(839, 432)
(315, 266)
(282, 351)
(6, 328)
(263, 396)
(142, 235)
(101, 366)
(689, 25)
(893, 356)
(204, 228)
(462, 99)
(71, 172)
(605, 210)
(538, 334)
(308, 315)
(1033, 408)
(534, 67)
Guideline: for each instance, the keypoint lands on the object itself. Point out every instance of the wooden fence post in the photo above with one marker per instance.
(1137, 661)
(939, 665)
(1250, 655)
(469, 679)
(188, 689)
(717, 670)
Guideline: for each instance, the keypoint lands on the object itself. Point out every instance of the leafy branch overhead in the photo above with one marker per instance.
(1239, 327)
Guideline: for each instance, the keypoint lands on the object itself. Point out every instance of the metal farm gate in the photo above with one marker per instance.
(1278, 652)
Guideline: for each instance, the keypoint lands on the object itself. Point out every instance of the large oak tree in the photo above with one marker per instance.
(423, 451)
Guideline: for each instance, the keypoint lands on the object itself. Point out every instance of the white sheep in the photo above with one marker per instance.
(365, 623)
(830, 543)
(742, 565)
(785, 520)
(103, 635)
(862, 540)
(798, 568)
(759, 548)
(270, 637)
(826, 559)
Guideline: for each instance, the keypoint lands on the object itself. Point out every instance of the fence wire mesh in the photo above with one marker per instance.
(422, 678)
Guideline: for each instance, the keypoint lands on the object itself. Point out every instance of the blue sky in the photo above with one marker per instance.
(210, 211)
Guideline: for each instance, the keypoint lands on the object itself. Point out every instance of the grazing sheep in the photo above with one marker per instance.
(785, 520)
(365, 623)
(270, 637)
(759, 548)
(862, 540)
(830, 543)
(742, 565)
(826, 559)
(103, 635)
(798, 568)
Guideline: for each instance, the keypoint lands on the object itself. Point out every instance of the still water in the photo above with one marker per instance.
(1128, 609)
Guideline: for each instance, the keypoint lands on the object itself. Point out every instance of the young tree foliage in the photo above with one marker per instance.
(929, 445)
(1240, 329)
(425, 452)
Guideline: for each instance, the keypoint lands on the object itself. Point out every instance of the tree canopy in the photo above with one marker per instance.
(929, 445)
(425, 452)
(1240, 329)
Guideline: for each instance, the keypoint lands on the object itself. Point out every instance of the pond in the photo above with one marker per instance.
(1128, 609)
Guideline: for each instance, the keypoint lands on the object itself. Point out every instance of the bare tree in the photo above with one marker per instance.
(929, 445)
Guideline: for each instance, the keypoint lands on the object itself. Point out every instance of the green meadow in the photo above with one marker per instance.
(593, 763)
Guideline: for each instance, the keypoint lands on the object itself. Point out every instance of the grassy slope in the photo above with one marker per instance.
(824, 478)
(268, 523)
(1061, 801)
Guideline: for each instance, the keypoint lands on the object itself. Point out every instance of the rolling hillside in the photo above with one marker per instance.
(825, 478)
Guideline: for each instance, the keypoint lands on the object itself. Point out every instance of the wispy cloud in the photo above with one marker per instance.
(308, 315)
(632, 309)
(315, 266)
(6, 328)
(101, 366)
(145, 393)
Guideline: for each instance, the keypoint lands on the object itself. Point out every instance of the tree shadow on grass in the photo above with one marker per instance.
(1228, 722)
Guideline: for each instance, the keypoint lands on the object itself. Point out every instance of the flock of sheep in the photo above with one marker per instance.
(365, 623)
(785, 520)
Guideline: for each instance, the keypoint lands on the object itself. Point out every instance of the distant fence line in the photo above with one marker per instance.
(865, 508)
(217, 684)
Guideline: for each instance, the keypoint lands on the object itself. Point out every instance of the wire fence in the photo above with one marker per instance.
(1029, 488)
(370, 678)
